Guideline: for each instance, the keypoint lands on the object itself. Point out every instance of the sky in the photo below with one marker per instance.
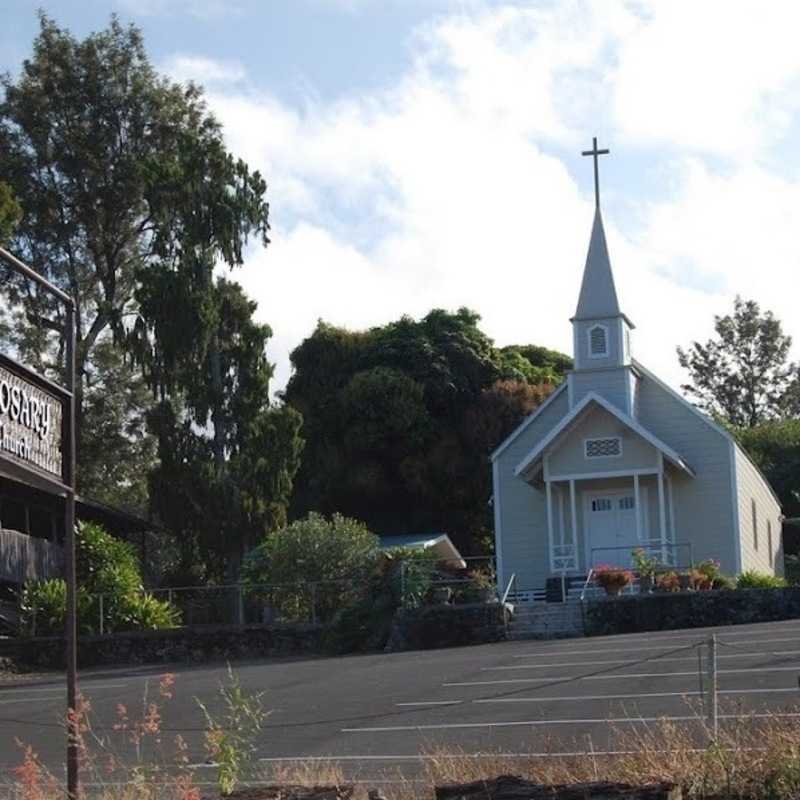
(426, 154)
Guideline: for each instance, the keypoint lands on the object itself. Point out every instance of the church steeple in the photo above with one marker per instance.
(601, 329)
(598, 297)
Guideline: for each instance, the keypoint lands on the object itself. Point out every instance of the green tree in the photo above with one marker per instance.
(395, 421)
(775, 447)
(122, 174)
(10, 212)
(227, 456)
(744, 374)
(336, 554)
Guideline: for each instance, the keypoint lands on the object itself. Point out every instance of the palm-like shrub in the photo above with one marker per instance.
(752, 579)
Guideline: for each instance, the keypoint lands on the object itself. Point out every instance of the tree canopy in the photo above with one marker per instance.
(399, 421)
(131, 203)
(744, 375)
(124, 178)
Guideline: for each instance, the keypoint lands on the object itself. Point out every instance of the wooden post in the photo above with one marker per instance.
(574, 520)
(549, 491)
(662, 512)
(637, 503)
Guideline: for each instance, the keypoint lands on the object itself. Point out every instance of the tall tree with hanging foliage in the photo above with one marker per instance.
(131, 201)
(117, 170)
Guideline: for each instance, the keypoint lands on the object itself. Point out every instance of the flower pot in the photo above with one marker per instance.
(613, 589)
(646, 584)
(441, 595)
(685, 582)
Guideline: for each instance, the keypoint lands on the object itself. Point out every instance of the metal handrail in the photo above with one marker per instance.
(511, 582)
(586, 583)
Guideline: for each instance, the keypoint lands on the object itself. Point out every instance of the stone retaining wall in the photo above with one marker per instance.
(179, 645)
(447, 626)
(661, 612)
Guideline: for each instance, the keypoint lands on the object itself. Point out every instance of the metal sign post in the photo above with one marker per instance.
(65, 486)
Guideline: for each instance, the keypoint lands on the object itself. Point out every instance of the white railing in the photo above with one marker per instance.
(564, 558)
(512, 581)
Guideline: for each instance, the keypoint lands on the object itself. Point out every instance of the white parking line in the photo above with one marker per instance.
(577, 698)
(508, 680)
(629, 660)
(432, 703)
(619, 675)
(57, 689)
(665, 647)
(540, 722)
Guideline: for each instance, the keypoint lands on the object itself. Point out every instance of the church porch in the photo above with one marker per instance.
(602, 519)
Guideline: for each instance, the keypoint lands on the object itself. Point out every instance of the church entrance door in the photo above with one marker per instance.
(611, 528)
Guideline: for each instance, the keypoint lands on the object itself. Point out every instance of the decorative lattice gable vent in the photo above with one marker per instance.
(603, 448)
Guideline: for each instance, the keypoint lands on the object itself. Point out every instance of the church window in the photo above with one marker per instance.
(754, 515)
(598, 341)
(601, 504)
(609, 447)
(627, 503)
(769, 542)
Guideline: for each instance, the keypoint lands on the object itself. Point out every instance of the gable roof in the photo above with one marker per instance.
(527, 421)
(598, 295)
(629, 422)
(710, 422)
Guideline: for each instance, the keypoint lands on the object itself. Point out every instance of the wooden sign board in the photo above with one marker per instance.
(33, 412)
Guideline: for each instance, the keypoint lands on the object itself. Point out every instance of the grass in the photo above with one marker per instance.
(757, 758)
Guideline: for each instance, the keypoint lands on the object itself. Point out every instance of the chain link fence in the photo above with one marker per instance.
(413, 582)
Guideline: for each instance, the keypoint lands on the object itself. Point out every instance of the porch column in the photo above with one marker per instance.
(636, 498)
(549, 493)
(662, 509)
(574, 520)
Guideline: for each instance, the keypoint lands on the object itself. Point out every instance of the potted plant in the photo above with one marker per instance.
(708, 574)
(613, 579)
(646, 568)
(668, 582)
(483, 584)
(685, 580)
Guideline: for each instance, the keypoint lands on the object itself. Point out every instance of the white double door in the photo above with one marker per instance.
(611, 530)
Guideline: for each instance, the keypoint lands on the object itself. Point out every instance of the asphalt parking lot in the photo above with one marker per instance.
(380, 714)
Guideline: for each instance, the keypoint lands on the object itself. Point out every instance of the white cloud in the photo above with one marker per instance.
(199, 9)
(205, 71)
(450, 189)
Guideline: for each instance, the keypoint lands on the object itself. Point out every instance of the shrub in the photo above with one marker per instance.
(752, 579)
(724, 582)
(646, 567)
(336, 555)
(104, 566)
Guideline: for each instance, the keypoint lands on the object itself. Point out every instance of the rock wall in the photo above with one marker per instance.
(661, 612)
(179, 645)
(447, 626)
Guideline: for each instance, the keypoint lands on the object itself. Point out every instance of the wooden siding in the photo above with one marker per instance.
(611, 384)
(568, 457)
(704, 505)
(26, 558)
(522, 514)
(753, 487)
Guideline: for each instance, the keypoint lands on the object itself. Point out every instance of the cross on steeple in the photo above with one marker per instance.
(594, 152)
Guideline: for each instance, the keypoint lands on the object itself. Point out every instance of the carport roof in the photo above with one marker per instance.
(440, 543)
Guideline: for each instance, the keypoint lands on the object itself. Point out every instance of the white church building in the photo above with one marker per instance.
(615, 459)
